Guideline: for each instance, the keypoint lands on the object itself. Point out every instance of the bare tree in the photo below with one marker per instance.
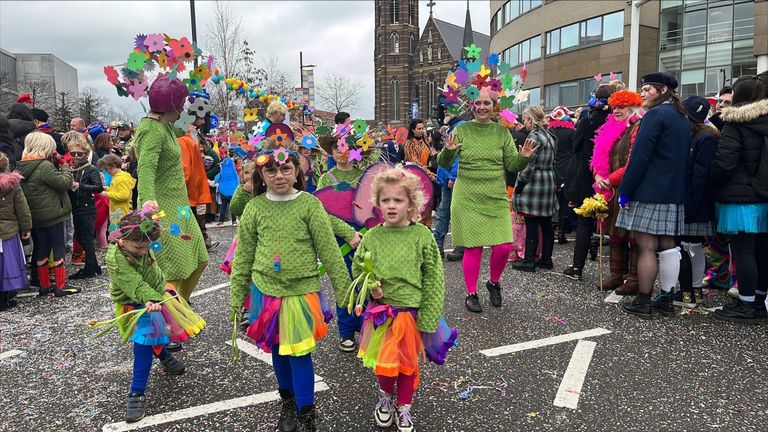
(42, 92)
(8, 91)
(224, 37)
(276, 81)
(67, 105)
(92, 106)
(337, 92)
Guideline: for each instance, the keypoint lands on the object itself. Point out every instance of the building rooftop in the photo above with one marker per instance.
(453, 36)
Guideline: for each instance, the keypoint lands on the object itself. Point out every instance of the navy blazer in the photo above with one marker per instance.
(656, 172)
(391, 153)
(699, 201)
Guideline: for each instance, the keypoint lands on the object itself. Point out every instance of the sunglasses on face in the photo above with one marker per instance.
(77, 154)
(724, 102)
(285, 170)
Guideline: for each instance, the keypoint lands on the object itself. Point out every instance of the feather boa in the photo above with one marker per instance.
(606, 137)
(561, 124)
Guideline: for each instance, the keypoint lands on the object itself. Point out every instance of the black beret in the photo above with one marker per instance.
(659, 78)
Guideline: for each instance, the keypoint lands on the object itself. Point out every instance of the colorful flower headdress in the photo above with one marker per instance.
(474, 76)
(150, 222)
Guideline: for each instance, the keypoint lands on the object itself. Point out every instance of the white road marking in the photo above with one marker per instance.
(570, 387)
(258, 354)
(538, 343)
(25, 295)
(10, 353)
(207, 290)
(200, 410)
(614, 298)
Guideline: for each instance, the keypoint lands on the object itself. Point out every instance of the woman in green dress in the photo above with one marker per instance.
(479, 207)
(180, 251)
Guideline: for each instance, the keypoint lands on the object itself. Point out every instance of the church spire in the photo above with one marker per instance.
(468, 39)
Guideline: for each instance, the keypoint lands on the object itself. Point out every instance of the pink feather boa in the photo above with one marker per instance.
(560, 124)
(606, 137)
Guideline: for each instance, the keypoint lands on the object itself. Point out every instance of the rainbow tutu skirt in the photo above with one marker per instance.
(176, 322)
(295, 323)
(391, 344)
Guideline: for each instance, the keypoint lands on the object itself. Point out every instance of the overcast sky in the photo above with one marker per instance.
(337, 36)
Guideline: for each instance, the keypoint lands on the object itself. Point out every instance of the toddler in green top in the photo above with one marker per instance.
(403, 322)
(281, 235)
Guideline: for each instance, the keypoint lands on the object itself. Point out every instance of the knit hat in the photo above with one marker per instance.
(659, 78)
(561, 112)
(25, 98)
(624, 99)
(167, 95)
(697, 108)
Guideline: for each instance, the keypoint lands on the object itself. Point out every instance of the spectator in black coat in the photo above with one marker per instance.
(22, 123)
(8, 143)
(562, 127)
(740, 177)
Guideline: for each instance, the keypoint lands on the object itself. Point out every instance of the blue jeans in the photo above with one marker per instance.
(443, 216)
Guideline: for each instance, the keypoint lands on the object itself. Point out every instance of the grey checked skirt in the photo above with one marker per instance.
(652, 218)
(698, 229)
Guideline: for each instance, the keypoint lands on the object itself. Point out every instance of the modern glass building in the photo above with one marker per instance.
(706, 44)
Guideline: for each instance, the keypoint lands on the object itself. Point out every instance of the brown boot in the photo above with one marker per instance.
(631, 284)
(618, 259)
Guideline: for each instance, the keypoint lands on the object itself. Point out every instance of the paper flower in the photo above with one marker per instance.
(154, 42)
(451, 96)
(524, 72)
(522, 96)
(341, 130)
(280, 155)
(401, 135)
(356, 155)
(129, 74)
(507, 82)
(308, 141)
(504, 68)
(202, 72)
(139, 42)
(495, 85)
(255, 140)
(480, 81)
(249, 114)
(137, 89)
(200, 106)
(156, 246)
(365, 142)
(135, 61)
(473, 51)
(262, 159)
(461, 77)
(175, 230)
(184, 212)
(342, 146)
(506, 102)
(185, 119)
(146, 226)
(182, 48)
(112, 76)
(508, 118)
(280, 137)
(360, 126)
(162, 60)
(192, 83)
(322, 130)
(473, 67)
(472, 93)
(493, 59)
(121, 90)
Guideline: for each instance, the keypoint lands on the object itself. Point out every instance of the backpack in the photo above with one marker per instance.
(760, 179)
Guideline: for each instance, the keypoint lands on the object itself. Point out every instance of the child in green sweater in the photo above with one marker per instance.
(136, 282)
(403, 322)
(282, 233)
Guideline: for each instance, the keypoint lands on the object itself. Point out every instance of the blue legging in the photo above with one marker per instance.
(296, 375)
(142, 364)
(348, 323)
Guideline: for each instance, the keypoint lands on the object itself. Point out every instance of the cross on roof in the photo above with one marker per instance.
(430, 5)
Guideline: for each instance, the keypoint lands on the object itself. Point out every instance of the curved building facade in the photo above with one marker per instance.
(565, 43)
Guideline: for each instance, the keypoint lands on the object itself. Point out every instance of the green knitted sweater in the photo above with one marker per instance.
(298, 230)
(335, 176)
(134, 280)
(241, 198)
(407, 262)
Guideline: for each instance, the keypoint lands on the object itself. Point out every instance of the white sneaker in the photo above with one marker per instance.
(404, 421)
(347, 345)
(733, 292)
(385, 410)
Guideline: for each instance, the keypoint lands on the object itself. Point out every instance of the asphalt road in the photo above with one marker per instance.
(687, 373)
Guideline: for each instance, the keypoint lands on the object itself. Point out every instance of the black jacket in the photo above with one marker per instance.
(583, 144)
(699, 202)
(739, 154)
(20, 129)
(82, 199)
(564, 153)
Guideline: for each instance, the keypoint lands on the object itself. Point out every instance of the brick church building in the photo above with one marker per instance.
(410, 65)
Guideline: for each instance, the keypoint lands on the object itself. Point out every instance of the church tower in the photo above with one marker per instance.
(395, 38)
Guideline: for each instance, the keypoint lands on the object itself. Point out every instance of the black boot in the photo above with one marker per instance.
(760, 310)
(307, 421)
(561, 237)
(528, 263)
(547, 248)
(3, 301)
(287, 422)
(662, 304)
(740, 312)
(472, 303)
(640, 306)
(494, 291)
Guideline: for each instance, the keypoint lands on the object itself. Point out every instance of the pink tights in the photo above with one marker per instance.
(471, 264)
(404, 387)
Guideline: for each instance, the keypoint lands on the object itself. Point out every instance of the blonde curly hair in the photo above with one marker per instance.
(399, 176)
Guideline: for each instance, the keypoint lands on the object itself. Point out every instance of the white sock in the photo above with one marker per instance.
(698, 264)
(669, 268)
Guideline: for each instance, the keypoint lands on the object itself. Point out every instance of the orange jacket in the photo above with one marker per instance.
(194, 171)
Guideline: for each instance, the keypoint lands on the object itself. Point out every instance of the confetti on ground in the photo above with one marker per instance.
(556, 319)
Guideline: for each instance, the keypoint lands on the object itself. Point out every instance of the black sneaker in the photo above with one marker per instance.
(172, 365)
(173, 347)
(136, 408)
(573, 273)
(494, 291)
(454, 256)
(545, 264)
(662, 304)
(67, 290)
(524, 265)
(640, 306)
(760, 310)
(473, 304)
(82, 274)
(307, 420)
(739, 311)
(347, 345)
(288, 413)
(384, 413)
(43, 292)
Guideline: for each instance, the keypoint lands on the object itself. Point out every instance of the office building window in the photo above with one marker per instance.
(743, 20)
(593, 31)
(670, 28)
(613, 26)
(512, 10)
(695, 27)
(692, 83)
(525, 51)
(720, 24)
(572, 93)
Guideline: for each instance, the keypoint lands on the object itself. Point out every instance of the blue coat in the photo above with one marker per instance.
(445, 174)
(656, 172)
(227, 179)
(699, 201)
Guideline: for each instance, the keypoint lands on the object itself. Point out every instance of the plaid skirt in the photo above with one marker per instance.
(698, 229)
(652, 218)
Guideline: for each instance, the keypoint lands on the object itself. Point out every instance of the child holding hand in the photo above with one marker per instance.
(403, 322)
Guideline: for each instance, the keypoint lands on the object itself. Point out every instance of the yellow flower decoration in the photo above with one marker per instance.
(365, 142)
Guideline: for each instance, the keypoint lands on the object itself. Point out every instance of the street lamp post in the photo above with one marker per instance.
(301, 79)
(194, 25)
(634, 42)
